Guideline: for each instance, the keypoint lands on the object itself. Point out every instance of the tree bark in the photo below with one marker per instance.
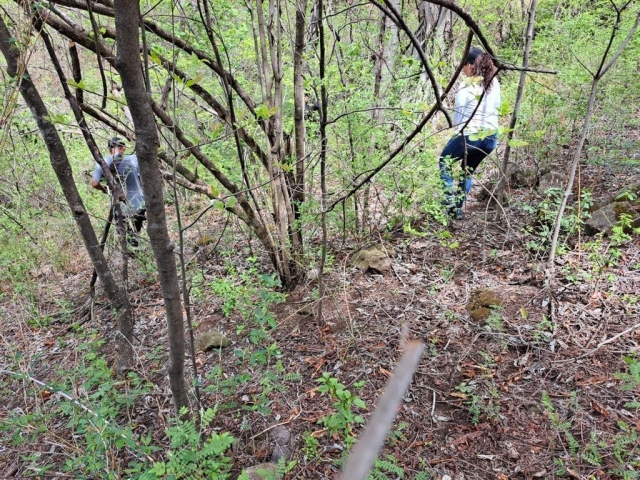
(130, 68)
(516, 109)
(375, 113)
(62, 168)
(299, 101)
(324, 104)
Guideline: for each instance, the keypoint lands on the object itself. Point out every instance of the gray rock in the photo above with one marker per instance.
(525, 177)
(602, 220)
(280, 452)
(551, 180)
(262, 471)
(486, 191)
(209, 340)
(605, 218)
(281, 435)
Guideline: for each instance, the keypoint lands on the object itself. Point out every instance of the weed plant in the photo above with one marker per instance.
(617, 453)
(341, 423)
(104, 442)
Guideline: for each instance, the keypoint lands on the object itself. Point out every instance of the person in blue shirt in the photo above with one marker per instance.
(476, 128)
(125, 171)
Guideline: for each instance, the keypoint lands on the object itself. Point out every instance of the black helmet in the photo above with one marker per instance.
(116, 142)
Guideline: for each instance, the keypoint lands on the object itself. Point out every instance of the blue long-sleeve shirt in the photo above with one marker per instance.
(129, 176)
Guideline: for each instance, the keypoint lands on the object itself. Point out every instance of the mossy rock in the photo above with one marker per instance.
(553, 179)
(194, 205)
(481, 303)
(204, 240)
(629, 194)
(375, 258)
(605, 218)
(262, 471)
(209, 340)
(480, 314)
(525, 177)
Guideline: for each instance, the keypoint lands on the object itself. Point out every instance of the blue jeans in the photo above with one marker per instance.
(453, 152)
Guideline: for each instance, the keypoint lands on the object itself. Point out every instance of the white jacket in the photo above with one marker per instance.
(486, 117)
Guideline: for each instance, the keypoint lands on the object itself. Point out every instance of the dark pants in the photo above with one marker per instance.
(453, 152)
(132, 226)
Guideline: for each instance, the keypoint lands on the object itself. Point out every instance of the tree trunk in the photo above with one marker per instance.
(516, 109)
(128, 62)
(60, 163)
(298, 94)
(375, 113)
(324, 103)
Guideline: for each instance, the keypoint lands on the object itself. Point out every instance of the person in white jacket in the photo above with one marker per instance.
(476, 122)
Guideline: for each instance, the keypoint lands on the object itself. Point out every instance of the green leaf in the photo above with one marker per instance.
(263, 111)
(57, 118)
(504, 108)
(286, 167)
(539, 133)
(154, 58)
(72, 83)
(503, 130)
(516, 142)
(231, 202)
(193, 81)
(216, 128)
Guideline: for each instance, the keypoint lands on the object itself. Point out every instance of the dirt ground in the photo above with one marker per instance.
(529, 392)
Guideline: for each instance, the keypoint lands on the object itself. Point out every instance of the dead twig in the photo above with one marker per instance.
(602, 344)
(292, 417)
(615, 337)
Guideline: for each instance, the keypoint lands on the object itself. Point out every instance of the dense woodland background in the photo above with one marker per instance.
(289, 151)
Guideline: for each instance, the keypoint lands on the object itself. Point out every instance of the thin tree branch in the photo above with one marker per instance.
(395, 16)
(623, 45)
(96, 36)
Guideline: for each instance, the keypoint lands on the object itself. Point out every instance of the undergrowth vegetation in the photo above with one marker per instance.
(545, 385)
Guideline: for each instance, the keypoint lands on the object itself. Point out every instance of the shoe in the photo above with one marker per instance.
(455, 213)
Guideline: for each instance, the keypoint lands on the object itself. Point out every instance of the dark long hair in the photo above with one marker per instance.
(483, 66)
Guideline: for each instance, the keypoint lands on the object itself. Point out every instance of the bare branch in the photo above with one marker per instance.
(96, 36)
(391, 12)
(623, 45)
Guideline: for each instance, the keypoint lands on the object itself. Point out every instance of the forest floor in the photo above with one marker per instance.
(519, 394)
